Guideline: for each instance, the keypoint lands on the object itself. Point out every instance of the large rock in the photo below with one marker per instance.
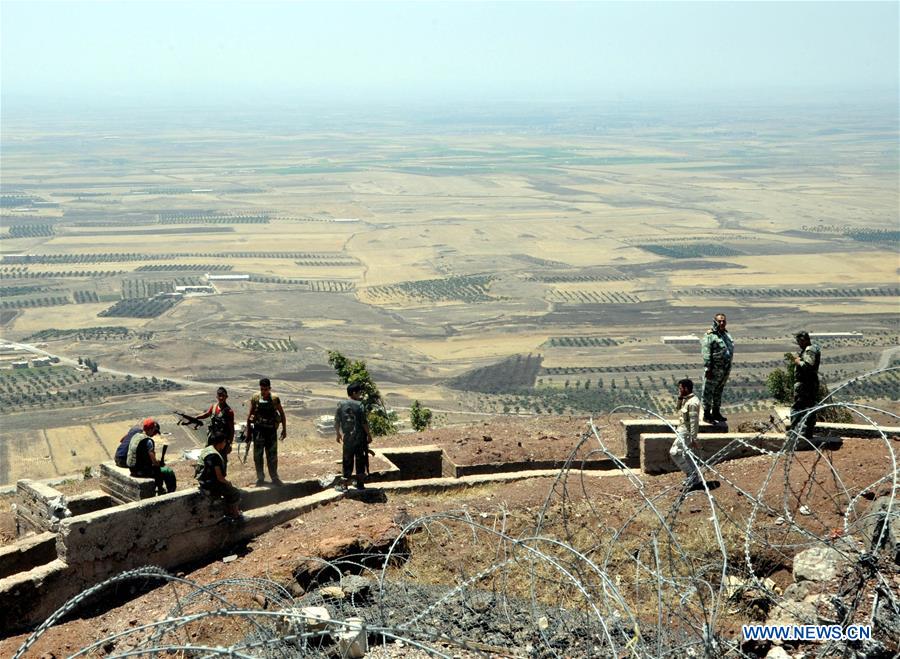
(818, 564)
(789, 612)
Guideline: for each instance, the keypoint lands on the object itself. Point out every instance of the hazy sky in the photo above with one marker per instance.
(213, 50)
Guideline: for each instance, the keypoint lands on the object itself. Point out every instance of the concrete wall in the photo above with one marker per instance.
(35, 506)
(412, 462)
(167, 531)
(655, 448)
(634, 428)
(509, 467)
(27, 553)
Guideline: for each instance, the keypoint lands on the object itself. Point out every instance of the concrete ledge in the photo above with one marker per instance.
(533, 465)
(118, 483)
(28, 598)
(857, 431)
(427, 461)
(27, 553)
(634, 428)
(89, 502)
(655, 448)
(36, 504)
(846, 430)
(443, 484)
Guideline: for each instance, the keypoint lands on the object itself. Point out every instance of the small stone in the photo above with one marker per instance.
(487, 438)
(804, 510)
(779, 521)
(230, 558)
(543, 623)
(332, 592)
(778, 652)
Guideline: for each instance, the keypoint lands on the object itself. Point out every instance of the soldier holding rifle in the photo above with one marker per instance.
(142, 461)
(263, 419)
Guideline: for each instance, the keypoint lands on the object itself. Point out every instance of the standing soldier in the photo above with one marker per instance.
(806, 383)
(221, 419)
(264, 416)
(351, 427)
(717, 348)
(685, 443)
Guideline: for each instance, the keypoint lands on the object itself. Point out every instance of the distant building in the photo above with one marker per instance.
(687, 339)
(21, 364)
(835, 335)
(41, 361)
(325, 424)
(210, 277)
(346, 219)
(195, 290)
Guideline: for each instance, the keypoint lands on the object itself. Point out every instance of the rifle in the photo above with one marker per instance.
(162, 455)
(244, 436)
(188, 420)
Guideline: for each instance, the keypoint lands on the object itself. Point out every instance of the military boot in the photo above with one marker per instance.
(717, 415)
(707, 417)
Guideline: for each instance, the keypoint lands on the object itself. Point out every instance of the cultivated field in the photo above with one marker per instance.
(443, 256)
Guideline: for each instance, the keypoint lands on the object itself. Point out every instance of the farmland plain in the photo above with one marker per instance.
(447, 254)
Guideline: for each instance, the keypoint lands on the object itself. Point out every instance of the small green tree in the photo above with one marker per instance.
(381, 421)
(780, 382)
(419, 417)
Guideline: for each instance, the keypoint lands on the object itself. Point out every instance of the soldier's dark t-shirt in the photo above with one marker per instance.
(351, 416)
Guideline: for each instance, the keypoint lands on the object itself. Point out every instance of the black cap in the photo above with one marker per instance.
(802, 334)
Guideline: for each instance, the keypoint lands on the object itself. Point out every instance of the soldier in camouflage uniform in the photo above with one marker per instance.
(717, 348)
(806, 383)
(264, 417)
(352, 428)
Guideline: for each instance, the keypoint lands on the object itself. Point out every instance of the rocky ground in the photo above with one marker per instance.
(805, 504)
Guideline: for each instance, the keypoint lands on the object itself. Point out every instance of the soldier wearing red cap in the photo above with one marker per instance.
(142, 461)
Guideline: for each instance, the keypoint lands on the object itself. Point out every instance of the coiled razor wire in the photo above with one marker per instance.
(572, 579)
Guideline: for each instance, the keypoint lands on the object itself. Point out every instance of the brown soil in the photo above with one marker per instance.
(329, 531)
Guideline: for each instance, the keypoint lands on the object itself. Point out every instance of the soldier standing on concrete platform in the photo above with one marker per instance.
(717, 348)
(264, 416)
(352, 428)
(806, 383)
(685, 442)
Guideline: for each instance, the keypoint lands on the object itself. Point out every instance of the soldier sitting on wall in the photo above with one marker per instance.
(142, 461)
(211, 469)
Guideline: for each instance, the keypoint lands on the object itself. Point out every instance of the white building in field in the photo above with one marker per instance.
(835, 335)
(687, 339)
(210, 277)
(195, 290)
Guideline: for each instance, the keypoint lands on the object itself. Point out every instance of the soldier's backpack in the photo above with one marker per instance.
(121, 457)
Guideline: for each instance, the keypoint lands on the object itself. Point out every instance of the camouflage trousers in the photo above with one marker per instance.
(265, 440)
(714, 385)
(805, 398)
(680, 454)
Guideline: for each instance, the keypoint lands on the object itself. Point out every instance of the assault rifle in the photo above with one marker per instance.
(245, 436)
(188, 420)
